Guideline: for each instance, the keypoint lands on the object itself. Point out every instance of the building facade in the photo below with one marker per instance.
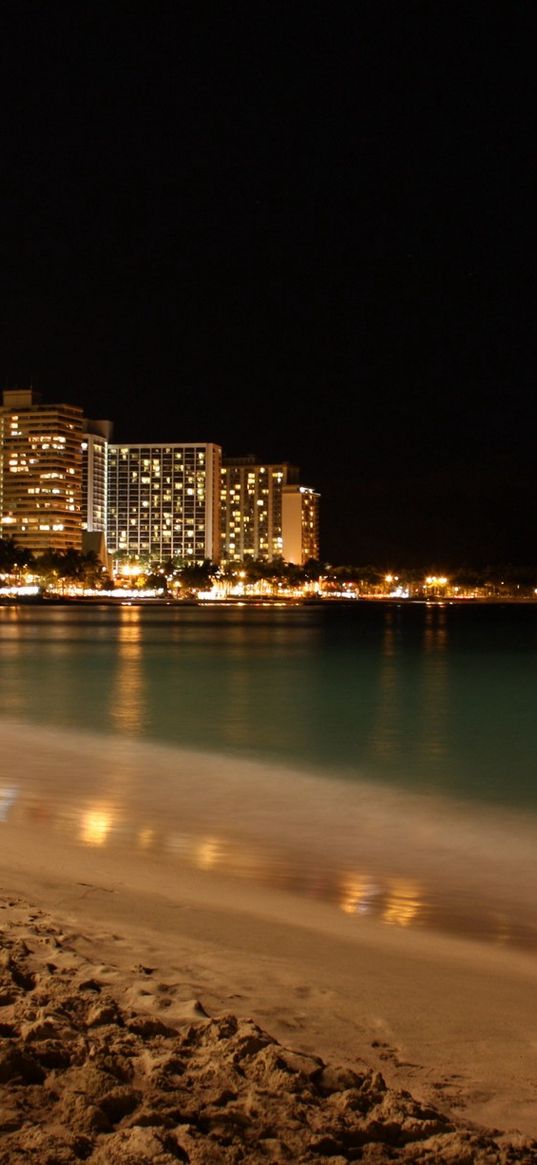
(300, 523)
(40, 472)
(163, 501)
(251, 508)
(64, 484)
(96, 438)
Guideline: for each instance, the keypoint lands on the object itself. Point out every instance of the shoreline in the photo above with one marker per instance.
(265, 601)
(420, 861)
(447, 1020)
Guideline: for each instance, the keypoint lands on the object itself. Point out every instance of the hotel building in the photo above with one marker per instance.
(64, 484)
(40, 472)
(266, 514)
(251, 508)
(95, 441)
(300, 523)
(163, 501)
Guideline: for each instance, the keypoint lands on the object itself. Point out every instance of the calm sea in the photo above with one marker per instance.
(408, 717)
(429, 697)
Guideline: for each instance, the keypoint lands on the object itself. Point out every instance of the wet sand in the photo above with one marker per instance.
(450, 1023)
(450, 1020)
(375, 852)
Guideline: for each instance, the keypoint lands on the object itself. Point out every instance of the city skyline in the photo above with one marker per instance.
(66, 485)
(95, 431)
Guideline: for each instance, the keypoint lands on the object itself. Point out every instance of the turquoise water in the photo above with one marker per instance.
(432, 698)
(379, 757)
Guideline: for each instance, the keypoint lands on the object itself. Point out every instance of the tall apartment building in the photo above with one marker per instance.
(40, 472)
(163, 501)
(300, 523)
(266, 514)
(63, 484)
(95, 442)
(251, 508)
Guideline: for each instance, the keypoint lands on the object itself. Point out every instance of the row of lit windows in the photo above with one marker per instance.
(145, 485)
(177, 544)
(157, 459)
(277, 474)
(159, 531)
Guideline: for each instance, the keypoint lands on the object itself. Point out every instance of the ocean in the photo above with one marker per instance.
(379, 756)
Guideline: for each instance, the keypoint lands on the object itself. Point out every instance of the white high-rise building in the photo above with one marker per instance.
(164, 501)
(97, 435)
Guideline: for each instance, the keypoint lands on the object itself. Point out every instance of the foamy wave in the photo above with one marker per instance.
(376, 851)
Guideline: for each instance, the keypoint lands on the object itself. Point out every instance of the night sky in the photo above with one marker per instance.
(304, 230)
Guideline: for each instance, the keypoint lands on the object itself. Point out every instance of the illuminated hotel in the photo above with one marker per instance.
(63, 484)
(266, 514)
(300, 523)
(95, 441)
(40, 472)
(251, 498)
(163, 501)
(95, 475)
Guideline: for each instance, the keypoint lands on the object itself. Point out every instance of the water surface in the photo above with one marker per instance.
(430, 697)
(419, 723)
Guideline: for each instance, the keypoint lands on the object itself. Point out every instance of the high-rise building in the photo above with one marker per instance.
(95, 441)
(40, 472)
(97, 435)
(300, 523)
(163, 501)
(251, 508)
(63, 484)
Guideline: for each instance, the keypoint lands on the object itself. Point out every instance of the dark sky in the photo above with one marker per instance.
(304, 230)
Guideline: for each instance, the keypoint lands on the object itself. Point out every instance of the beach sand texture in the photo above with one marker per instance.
(112, 1060)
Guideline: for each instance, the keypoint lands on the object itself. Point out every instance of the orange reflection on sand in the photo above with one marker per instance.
(404, 903)
(208, 853)
(96, 825)
(146, 838)
(356, 894)
(503, 935)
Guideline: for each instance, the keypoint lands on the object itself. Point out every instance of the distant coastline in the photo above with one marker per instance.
(263, 601)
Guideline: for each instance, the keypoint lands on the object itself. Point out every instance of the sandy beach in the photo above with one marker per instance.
(141, 1025)
(176, 989)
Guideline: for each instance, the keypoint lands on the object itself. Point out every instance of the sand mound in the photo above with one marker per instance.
(87, 1076)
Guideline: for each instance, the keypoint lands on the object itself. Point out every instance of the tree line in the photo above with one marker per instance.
(87, 569)
(68, 564)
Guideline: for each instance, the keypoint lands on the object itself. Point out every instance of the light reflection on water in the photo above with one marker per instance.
(391, 901)
(127, 706)
(434, 683)
(430, 699)
(95, 825)
(425, 697)
(363, 889)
